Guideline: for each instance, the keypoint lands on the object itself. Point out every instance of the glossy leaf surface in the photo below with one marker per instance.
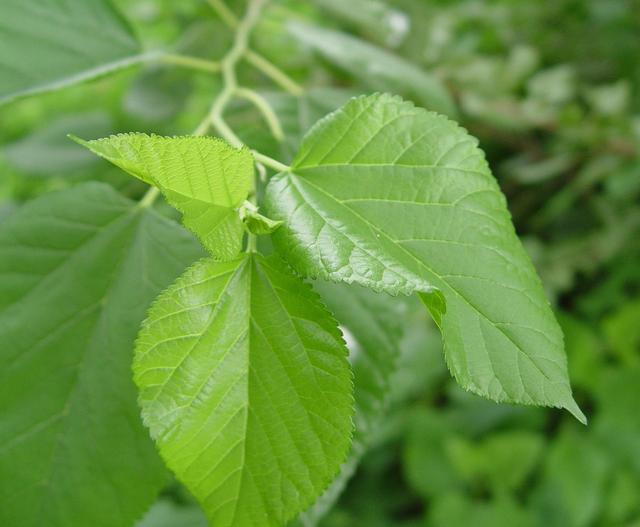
(245, 386)
(399, 199)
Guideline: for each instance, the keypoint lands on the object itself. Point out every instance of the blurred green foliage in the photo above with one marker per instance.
(552, 90)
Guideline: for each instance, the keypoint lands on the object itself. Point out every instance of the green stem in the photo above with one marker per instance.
(149, 198)
(265, 108)
(193, 63)
(252, 243)
(225, 131)
(229, 63)
(274, 73)
(255, 59)
(270, 162)
(227, 16)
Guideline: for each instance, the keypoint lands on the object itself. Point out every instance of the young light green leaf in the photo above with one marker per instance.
(77, 270)
(376, 67)
(47, 44)
(246, 388)
(203, 177)
(399, 199)
(255, 222)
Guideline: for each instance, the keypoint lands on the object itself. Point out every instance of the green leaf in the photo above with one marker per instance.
(255, 222)
(426, 464)
(617, 422)
(375, 18)
(585, 351)
(47, 151)
(373, 323)
(77, 271)
(48, 44)
(203, 177)
(399, 199)
(376, 67)
(503, 460)
(459, 509)
(298, 113)
(245, 385)
(165, 513)
(157, 94)
(572, 487)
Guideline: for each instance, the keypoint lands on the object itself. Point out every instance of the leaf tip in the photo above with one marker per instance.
(573, 408)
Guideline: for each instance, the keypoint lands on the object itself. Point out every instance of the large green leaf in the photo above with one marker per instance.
(77, 271)
(399, 199)
(47, 151)
(376, 67)
(48, 44)
(203, 177)
(245, 386)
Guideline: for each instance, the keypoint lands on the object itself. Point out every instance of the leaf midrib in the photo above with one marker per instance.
(293, 178)
(133, 215)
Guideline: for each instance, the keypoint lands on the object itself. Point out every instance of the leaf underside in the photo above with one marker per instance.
(205, 178)
(246, 388)
(399, 199)
(77, 271)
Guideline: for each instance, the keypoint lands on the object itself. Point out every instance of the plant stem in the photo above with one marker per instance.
(274, 73)
(265, 108)
(229, 63)
(149, 197)
(227, 16)
(270, 162)
(255, 59)
(193, 63)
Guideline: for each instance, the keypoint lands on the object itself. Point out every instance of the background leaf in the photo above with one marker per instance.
(373, 325)
(48, 152)
(376, 67)
(77, 271)
(48, 44)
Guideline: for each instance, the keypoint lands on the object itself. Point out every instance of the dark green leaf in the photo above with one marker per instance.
(77, 271)
(48, 44)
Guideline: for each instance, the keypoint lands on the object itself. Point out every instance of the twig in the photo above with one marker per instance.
(265, 109)
(274, 73)
(193, 63)
(255, 59)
